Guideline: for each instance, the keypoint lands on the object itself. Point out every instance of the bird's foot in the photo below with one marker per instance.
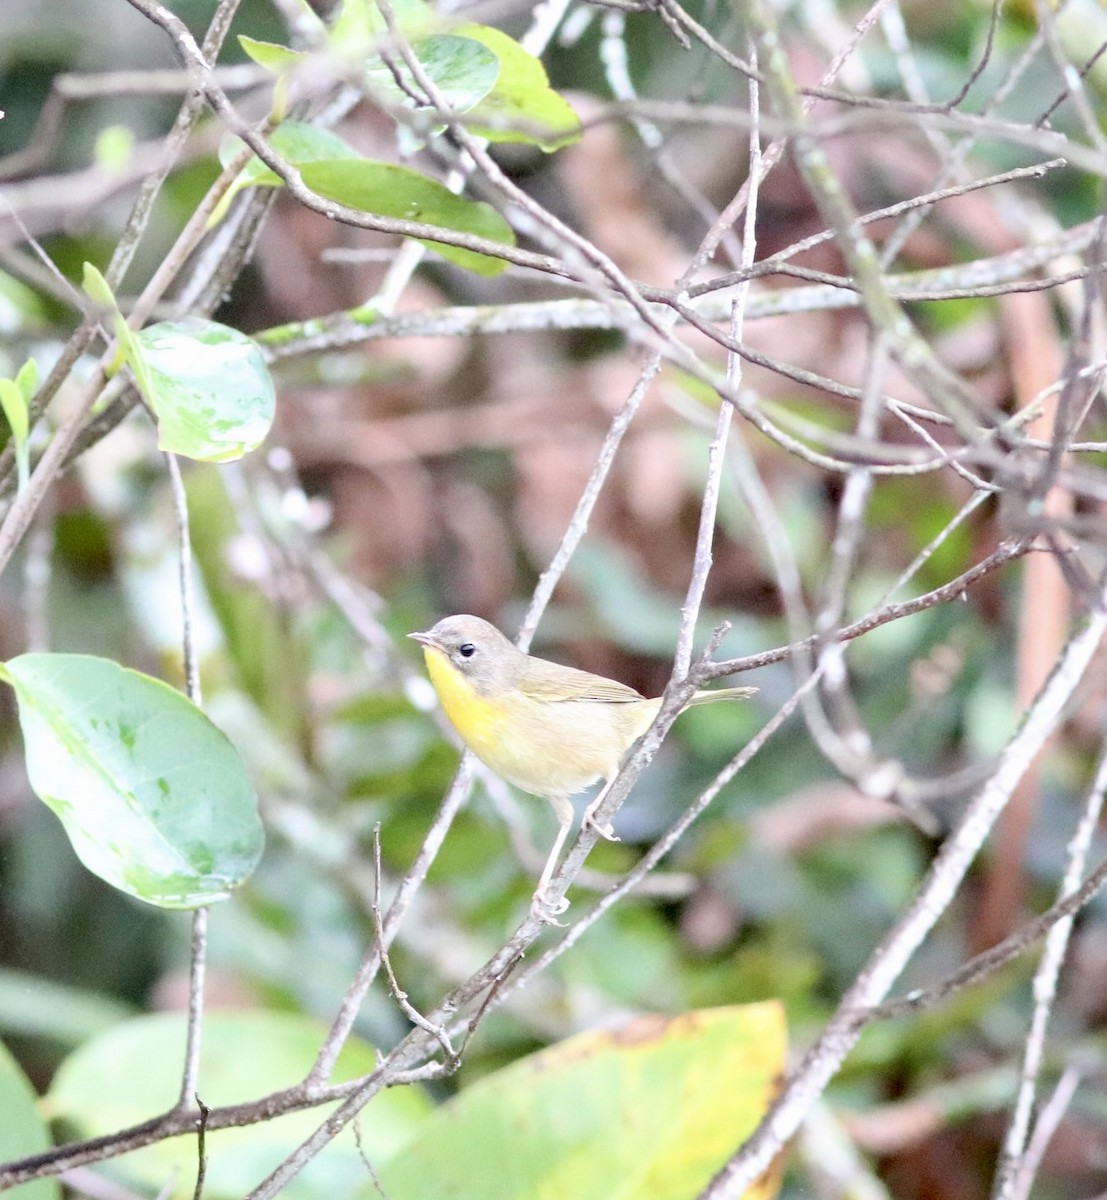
(588, 821)
(547, 911)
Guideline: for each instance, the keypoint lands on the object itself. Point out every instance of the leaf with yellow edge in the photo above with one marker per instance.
(521, 107)
(648, 1111)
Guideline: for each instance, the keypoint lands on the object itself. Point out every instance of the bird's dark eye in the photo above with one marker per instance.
(466, 649)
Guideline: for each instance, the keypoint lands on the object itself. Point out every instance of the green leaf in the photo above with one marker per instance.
(462, 69)
(27, 379)
(154, 798)
(14, 403)
(281, 61)
(359, 24)
(22, 1130)
(96, 288)
(208, 386)
(522, 107)
(336, 171)
(296, 141)
(394, 191)
(270, 55)
(645, 1112)
(32, 1006)
(131, 1074)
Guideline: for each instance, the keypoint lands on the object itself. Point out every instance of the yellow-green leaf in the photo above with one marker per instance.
(648, 1111)
(270, 55)
(96, 287)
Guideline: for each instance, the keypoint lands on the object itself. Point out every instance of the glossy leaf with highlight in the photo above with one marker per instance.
(209, 388)
(154, 798)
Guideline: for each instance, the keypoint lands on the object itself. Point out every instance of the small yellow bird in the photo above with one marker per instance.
(549, 729)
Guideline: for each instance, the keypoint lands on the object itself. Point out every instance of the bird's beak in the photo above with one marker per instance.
(425, 639)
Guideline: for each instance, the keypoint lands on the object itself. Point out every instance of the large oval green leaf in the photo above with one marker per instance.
(132, 1073)
(648, 1111)
(22, 1130)
(208, 386)
(154, 798)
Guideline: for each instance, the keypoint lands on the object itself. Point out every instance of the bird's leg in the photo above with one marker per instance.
(588, 821)
(539, 906)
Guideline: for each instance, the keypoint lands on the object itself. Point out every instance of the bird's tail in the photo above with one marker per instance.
(732, 693)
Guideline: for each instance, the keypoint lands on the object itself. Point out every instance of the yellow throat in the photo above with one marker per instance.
(477, 720)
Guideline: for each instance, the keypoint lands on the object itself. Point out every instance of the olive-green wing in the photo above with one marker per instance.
(551, 683)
